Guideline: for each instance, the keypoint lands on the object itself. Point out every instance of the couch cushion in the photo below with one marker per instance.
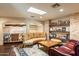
(56, 40)
(65, 50)
(35, 40)
(28, 42)
(32, 41)
(71, 44)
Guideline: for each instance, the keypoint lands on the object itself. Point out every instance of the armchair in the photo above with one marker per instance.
(67, 49)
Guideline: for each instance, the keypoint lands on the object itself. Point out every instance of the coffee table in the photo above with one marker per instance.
(48, 44)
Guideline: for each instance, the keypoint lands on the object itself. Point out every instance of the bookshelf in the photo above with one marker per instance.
(59, 29)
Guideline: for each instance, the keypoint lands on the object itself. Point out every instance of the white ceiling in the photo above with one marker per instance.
(20, 10)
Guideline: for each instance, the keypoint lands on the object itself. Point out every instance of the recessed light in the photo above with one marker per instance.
(61, 10)
(41, 17)
(35, 10)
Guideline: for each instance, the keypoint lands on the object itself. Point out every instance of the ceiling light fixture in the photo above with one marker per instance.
(41, 17)
(35, 10)
(61, 10)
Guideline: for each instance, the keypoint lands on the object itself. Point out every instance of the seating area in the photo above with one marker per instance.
(33, 38)
(41, 29)
(53, 48)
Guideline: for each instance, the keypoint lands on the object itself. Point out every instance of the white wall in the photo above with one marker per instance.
(46, 28)
(34, 22)
(1, 32)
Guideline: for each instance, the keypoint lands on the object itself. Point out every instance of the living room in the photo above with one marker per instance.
(39, 29)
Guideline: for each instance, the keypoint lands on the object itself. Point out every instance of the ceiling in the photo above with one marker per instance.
(20, 10)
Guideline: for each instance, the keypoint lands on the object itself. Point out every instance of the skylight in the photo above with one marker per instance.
(37, 11)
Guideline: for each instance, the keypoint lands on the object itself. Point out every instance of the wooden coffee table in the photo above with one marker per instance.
(48, 44)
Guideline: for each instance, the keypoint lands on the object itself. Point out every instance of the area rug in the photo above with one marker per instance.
(29, 51)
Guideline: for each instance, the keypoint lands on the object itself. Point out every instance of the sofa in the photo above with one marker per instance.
(70, 48)
(33, 38)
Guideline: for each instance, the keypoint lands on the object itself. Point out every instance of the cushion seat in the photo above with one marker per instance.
(56, 40)
(33, 41)
(65, 50)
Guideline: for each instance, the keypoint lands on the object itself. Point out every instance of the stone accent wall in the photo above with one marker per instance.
(74, 27)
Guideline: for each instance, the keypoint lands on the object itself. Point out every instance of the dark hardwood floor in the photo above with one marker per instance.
(7, 50)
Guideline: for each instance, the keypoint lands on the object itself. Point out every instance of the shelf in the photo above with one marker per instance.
(59, 29)
(12, 41)
(60, 32)
(15, 24)
(59, 25)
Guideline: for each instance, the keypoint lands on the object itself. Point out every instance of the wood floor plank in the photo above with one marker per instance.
(7, 50)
